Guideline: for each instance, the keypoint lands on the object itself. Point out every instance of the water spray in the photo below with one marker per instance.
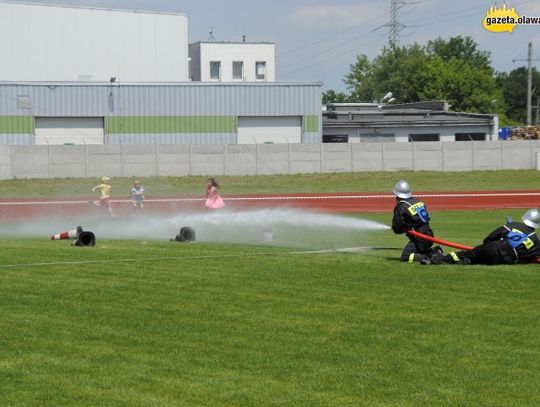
(284, 227)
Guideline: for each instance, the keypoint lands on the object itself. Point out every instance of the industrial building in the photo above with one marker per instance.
(43, 42)
(83, 75)
(162, 113)
(232, 61)
(408, 122)
(100, 76)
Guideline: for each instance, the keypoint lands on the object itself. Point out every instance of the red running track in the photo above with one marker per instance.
(17, 209)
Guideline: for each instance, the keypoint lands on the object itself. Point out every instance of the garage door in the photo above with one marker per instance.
(69, 130)
(269, 130)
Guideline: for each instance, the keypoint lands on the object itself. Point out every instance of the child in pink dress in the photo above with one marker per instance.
(212, 198)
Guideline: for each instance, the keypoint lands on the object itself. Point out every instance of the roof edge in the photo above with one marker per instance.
(187, 83)
(72, 6)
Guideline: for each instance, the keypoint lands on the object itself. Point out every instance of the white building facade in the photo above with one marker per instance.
(42, 42)
(232, 61)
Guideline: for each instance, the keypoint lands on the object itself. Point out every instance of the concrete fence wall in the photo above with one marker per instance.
(19, 161)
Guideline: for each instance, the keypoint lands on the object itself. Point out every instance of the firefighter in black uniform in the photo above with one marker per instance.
(410, 213)
(512, 243)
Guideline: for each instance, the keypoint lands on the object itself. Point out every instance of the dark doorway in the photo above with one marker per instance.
(335, 139)
(424, 137)
(470, 136)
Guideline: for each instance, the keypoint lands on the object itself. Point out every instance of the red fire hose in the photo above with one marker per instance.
(440, 241)
(446, 242)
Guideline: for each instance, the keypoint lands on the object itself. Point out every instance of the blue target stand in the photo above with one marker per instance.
(505, 133)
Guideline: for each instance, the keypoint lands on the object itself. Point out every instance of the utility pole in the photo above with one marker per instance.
(529, 84)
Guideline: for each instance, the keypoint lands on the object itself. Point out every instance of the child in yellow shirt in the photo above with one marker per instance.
(105, 190)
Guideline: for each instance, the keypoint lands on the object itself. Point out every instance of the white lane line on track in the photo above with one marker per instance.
(283, 198)
(221, 256)
(61, 263)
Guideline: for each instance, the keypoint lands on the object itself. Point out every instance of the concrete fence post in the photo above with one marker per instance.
(532, 153)
(224, 159)
(352, 156)
(502, 154)
(48, 160)
(382, 155)
(157, 159)
(190, 172)
(86, 160)
(289, 156)
(473, 151)
(414, 156)
(11, 164)
(322, 157)
(443, 156)
(256, 159)
(122, 158)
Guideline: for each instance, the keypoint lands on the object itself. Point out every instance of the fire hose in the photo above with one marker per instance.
(446, 242)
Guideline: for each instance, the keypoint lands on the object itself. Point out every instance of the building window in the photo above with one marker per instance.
(215, 70)
(470, 136)
(260, 70)
(238, 70)
(424, 137)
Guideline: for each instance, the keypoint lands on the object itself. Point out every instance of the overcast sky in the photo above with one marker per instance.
(317, 40)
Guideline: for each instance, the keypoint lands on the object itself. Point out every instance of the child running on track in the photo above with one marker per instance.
(212, 198)
(105, 189)
(137, 195)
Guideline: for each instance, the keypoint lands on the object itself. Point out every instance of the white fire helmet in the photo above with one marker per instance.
(402, 189)
(531, 218)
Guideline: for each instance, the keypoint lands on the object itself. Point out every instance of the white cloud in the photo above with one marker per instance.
(340, 16)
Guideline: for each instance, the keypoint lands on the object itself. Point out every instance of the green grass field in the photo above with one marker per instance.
(339, 182)
(155, 323)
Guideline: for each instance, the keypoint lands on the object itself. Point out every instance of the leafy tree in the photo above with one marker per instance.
(454, 70)
(465, 87)
(514, 88)
(462, 48)
(397, 69)
(358, 79)
(331, 96)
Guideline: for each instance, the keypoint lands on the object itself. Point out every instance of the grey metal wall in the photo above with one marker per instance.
(204, 101)
(181, 160)
(187, 99)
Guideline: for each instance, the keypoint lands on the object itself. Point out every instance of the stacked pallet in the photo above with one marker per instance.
(526, 133)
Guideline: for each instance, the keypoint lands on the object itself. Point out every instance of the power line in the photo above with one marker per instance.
(458, 14)
(326, 50)
(396, 28)
(330, 56)
(311, 44)
(321, 52)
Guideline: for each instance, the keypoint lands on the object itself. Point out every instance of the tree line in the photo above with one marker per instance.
(456, 70)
